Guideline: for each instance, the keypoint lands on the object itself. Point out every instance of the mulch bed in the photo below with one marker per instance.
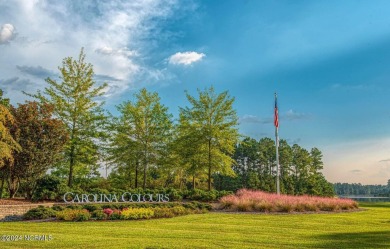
(15, 201)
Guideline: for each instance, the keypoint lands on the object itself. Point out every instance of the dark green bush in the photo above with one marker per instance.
(99, 214)
(116, 215)
(47, 188)
(75, 206)
(91, 207)
(39, 212)
(58, 208)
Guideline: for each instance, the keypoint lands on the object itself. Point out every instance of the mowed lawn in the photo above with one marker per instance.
(363, 229)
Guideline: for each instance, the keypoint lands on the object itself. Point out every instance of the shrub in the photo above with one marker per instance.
(98, 215)
(116, 215)
(174, 195)
(39, 212)
(73, 215)
(47, 188)
(91, 207)
(137, 213)
(58, 207)
(108, 211)
(75, 206)
(163, 212)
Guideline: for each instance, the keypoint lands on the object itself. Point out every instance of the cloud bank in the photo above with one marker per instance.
(118, 37)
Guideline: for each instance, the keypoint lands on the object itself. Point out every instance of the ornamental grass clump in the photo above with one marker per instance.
(250, 200)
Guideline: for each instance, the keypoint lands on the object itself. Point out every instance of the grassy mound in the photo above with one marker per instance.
(257, 201)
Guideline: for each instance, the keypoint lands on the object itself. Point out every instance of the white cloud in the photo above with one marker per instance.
(7, 32)
(185, 58)
(112, 51)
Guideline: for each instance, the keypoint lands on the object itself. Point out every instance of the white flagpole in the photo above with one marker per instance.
(276, 122)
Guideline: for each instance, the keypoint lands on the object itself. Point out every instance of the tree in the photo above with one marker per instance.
(7, 142)
(247, 162)
(75, 102)
(212, 123)
(42, 138)
(143, 131)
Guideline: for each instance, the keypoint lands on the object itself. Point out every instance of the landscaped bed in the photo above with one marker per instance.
(110, 211)
(257, 201)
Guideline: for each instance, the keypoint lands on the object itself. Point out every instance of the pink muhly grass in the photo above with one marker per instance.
(252, 200)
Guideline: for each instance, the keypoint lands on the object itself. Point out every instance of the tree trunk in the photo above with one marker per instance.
(146, 165)
(72, 154)
(144, 183)
(136, 173)
(2, 186)
(209, 174)
(193, 182)
(71, 165)
(13, 186)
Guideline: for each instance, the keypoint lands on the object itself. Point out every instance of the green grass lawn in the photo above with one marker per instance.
(363, 229)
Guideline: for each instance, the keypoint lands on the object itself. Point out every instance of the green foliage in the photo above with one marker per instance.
(207, 133)
(115, 215)
(142, 132)
(201, 195)
(73, 215)
(47, 188)
(163, 212)
(124, 211)
(7, 143)
(75, 102)
(98, 214)
(58, 207)
(356, 189)
(39, 213)
(255, 168)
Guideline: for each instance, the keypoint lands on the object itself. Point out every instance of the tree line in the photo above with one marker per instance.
(66, 131)
(357, 189)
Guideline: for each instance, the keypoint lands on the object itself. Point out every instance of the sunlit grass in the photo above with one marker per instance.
(369, 228)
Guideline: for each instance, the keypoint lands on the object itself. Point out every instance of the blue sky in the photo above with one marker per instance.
(328, 61)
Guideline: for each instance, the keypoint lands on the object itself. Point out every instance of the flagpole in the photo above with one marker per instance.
(276, 122)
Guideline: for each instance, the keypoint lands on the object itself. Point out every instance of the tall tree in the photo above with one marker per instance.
(42, 138)
(76, 104)
(7, 142)
(247, 162)
(212, 121)
(143, 131)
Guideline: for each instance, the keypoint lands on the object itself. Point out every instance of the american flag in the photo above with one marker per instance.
(276, 117)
